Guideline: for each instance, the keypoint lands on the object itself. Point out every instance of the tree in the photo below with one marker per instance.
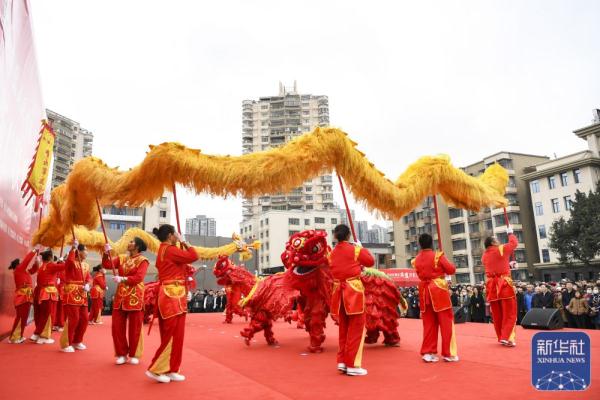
(578, 239)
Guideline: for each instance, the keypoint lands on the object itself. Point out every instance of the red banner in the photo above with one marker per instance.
(404, 277)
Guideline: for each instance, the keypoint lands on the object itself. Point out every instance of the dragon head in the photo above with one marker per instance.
(306, 251)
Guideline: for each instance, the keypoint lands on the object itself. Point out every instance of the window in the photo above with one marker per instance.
(551, 182)
(460, 261)
(163, 214)
(309, 207)
(506, 163)
(261, 223)
(118, 226)
(308, 188)
(333, 221)
(307, 221)
(555, 206)
(545, 255)
(309, 198)
(292, 233)
(568, 203)
(475, 244)
(488, 225)
(294, 221)
(539, 208)
(535, 186)
(319, 220)
(474, 227)
(459, 244)
(512, 182)
(266, 221)
(520, 255)
(542, 231)
(513, 218)
(577, 175)
(455, 213)
(564, 179)
(456, 229)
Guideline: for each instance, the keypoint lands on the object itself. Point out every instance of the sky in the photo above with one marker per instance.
(404, 78)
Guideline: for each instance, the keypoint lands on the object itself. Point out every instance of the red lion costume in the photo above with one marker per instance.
(237, 282)
(307, 280)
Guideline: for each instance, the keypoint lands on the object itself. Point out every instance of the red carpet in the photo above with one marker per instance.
(219, 366)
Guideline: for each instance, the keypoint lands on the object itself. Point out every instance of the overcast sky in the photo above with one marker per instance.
(404, 78)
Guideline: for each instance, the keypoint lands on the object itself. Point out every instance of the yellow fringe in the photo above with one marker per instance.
(271, 171)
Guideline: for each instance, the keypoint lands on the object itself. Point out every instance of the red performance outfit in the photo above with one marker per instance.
(128, 305)
(434, 302)
(59, 317)
(499, 288)
(77, 274)
(348, 300)
(46, 297)
(172, 306)
(97, 296)
(23, 297)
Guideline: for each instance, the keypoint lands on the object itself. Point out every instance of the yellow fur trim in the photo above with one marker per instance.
(276, 170)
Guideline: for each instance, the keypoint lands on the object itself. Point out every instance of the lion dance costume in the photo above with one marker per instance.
(237, 282)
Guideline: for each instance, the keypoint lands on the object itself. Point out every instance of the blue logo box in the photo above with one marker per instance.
(560, 361)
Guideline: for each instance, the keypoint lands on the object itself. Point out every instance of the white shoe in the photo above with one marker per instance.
(356, 371)
(159, 378)
(45, 341)
(68, 349)
(511, 344)
(20, 340)
(134, 361)
(120, 360)
(504, 342)
(80, 346)
(175, 377)
(451, 359)
(60, 329)
(430, 358)
(341, 367)
(91, 323)
(34, 337)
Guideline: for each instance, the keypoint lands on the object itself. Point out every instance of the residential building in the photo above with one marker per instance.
(201, 225)
(274, 227)
(362, 230)
(344, 217)
(72, 143)
(119, 219)
(463, 232)
(553, 185)
(377, 234)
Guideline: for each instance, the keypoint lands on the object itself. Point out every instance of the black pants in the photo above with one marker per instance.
(579, 321)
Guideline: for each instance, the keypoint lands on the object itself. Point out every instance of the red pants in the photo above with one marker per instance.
(135, 347)
(504, 316)
(43, 319)
(96, 311)
(168, 356)
(444, 320)
(77, 322)
(352, 338)
(20, 321)
(59, 318)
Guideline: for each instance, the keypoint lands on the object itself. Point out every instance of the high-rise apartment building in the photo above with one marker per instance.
(71, 144)
(553, 185)
(270, 122)
(362, 231)
(463, 232)
(118, 219)
(201, 225)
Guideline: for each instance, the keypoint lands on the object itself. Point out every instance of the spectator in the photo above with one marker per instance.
(558, 304)
(528, 297)
(543, 299)
(464, 299)
(579, 308)
(567, 295)
(413, 304)
(521, 309)
(209, 302)
(197, 302)
(594, 303)
(477, 306)
(454, 298)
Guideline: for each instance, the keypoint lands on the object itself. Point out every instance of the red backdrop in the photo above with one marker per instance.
(21, 112)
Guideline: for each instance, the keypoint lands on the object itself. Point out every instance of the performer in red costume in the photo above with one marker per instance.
(77, 286)
(97, 295)
(172, 303)
(46, 297)
(23, 296)
(500, 291)
(128, 304)
(348, 299)
(59, 318)
(434, 301)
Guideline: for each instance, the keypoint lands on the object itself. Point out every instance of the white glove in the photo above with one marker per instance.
(61, 259)
(119, 279)
(189, 296)
(58, 281)
(38, 247)
(513, 264)
(107, 248)
(509, 229)
(75, 243)
(190, 278)
(86, 287)
(358, 243)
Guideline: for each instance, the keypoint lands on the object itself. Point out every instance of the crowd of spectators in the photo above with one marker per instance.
(206, 301)
(578, 302)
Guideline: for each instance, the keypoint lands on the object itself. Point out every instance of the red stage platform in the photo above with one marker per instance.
(219, 366)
